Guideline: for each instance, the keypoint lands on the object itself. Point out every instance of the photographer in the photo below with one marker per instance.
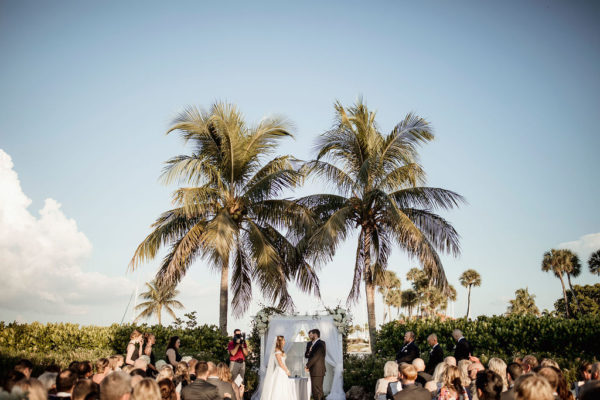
(238, 351)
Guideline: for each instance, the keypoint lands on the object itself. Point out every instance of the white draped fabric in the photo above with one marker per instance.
(289, 327)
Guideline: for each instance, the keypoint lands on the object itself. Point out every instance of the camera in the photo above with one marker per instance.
(240, 338)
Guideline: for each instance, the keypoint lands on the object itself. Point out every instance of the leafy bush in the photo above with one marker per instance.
(588, 297)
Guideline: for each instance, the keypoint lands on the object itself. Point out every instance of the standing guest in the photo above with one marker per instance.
(134, 347)
(146, 389)
(436, 354)
(499, 366)
(238, 351)
(33, 388)
(224, 374)
(410, 391)
(85, 389)
(409, 351)
(225, 389)
(84, 369)
(532, 387)
(422, 376)
(116, 386)
(489, 385)
(513, 372)
(25, 367)
(584, 374)
(529, 364)
(102, 370)
(64, 385)
(172, 354)
(390, 377)
(150, 341)
(167, 389)
(462, 350)
(200, 389)
(452, 388)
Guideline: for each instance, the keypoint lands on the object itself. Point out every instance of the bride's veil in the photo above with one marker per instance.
(267, 384)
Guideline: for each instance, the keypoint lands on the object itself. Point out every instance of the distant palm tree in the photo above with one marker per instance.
(420, 284)
(385, 283)
(394, 299)
(562, 262)
(158, 297)
(523, 304)
(468, 279)
(232, 215)
(378, 183)
(410, 300)
(594, 263)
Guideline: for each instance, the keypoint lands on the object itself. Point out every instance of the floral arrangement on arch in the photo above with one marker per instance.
(261, 319)
(341, 319)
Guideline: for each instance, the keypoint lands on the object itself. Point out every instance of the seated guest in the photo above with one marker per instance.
(224, 374)
(422, 376)
(192, 369)
(12, 378)
(450, 361)
(499, 366)
(182, 376)
(532, 387)
(25, 367)
(116, 386)
(593, 381)
(489, 385)
(390, 376)
(146, 389)
(85, 389)
(167, 389)
(136, 376)
(452, 388)
(435, 384)
(436, 354)
(463, 370)
(529, 364)
(590, 391)
(84, 370)
(409, 351)
(102, 370)
(410, 391)
(548, 362)
(141, 363)
(200, 389)
(48, 379)
(225, 389)
(552, 378)
(513, 372)
(32, 387)
(165, 372)
(584, 374)
(64, 385)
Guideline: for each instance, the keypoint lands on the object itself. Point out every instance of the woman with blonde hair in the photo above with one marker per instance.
(390, 377)
(452, 388)
(224, 374)
(435, 384)
(498, 366)
(533, 387)
(463, 369)
(133, 351)
(182, 376)
(165, 372)
(102, 369)
(146, 389)
(32, 387)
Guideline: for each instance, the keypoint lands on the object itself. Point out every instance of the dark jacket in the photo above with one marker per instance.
(408, 353)
(422, 378)
(200, 390)
(463, 350)
(316, 358)
(508, 395)
(413, 392)
(436, 356)
(222, 386)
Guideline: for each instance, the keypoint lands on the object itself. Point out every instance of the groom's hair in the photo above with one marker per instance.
(316, 332)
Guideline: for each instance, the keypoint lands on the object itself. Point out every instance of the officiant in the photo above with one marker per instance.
(238, 351)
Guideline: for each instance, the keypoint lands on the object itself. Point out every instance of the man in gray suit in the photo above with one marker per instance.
(315, 353)
(200, 389)
(224, 388)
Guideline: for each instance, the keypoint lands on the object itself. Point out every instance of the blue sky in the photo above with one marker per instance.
(88, 90)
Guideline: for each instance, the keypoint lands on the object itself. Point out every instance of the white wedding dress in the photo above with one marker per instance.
(278, 386)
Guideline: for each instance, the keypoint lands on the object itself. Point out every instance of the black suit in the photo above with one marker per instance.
(463, 350)
(422, 378)
(436, 356)
(408, 353)
(316, 365)
(508, 395)
(412, 392)
(200, 390)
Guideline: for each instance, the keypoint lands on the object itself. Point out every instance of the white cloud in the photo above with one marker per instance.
(41, 258)
(584, 246)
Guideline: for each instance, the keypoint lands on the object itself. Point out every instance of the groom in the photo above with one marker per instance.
(315, 352)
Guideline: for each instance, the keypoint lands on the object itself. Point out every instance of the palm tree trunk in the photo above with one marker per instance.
(369, 289)
(562, 282)
(573, 292)
(469, 302)
(159, 319)
(224, 296)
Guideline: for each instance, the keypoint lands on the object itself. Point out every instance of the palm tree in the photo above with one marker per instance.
(231, 216)
(420, 284)
(572, 268)
(524, 303)
(385, 283)
(594, 263)
(410, 300)
(378, 183)
(394, 299)
(562, 262)
(468, 279)
(157, 297)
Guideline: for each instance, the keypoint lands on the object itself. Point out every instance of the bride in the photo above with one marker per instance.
(278, 385)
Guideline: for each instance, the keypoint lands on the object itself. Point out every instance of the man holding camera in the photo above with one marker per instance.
(238, 351)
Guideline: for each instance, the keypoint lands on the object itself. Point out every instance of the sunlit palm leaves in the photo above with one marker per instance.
(523, 304)
(158, 297)
(561, 262)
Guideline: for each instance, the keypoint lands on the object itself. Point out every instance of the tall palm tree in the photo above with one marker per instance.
(594, 263)
(561, 262)
(468, 279)
(410, 300)
(523, 304)
(158, 297)
(232, 215)
(385, 283)
(378, 192)
(572, 268)
(394, 299)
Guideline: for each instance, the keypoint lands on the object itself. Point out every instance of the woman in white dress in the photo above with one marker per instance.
(278, 385)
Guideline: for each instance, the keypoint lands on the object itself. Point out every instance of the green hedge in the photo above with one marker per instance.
(567, 341)
(62, 343)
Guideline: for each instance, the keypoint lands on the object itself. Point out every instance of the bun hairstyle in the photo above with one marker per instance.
(279, 344)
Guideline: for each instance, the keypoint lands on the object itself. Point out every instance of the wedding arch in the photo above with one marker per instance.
(295, 329)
